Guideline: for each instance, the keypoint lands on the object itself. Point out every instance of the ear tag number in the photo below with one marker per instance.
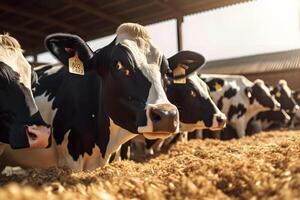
(76, 65)
(179, 71)
(218, 86)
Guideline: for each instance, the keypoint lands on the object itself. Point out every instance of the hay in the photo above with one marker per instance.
(265, 166)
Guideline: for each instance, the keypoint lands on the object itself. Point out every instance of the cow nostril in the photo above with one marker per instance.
(220, 120)
(31, 135)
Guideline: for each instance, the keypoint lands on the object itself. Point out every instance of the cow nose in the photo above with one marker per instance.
(164, 118)
(221, 119)
(38, 136)
(296, 108)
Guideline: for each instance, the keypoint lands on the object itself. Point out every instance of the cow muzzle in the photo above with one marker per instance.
(219, 122)
(38, 136)
(277, 106)
(296, 108)
(163, 120)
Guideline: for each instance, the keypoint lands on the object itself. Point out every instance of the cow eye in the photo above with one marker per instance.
(121, 68)
(193, 93)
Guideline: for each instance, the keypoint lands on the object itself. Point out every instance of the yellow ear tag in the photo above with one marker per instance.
(218, 86)
(278, 94)
(76, 65)
(179, 71)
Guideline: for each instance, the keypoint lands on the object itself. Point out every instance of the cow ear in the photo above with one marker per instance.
(65, 46)
(248, 92)
(184, 63)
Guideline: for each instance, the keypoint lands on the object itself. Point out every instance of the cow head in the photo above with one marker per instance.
(191, 95)
(260, 96)
(283, 95)
(133, 71)
(21, 124)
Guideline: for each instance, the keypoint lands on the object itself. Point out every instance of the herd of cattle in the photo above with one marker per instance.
(76, 115)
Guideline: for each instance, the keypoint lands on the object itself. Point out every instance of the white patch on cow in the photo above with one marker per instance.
(85, 162)
(12, 55)
(285, 87)
(45, 108)
(54, 69)
(117, 137)
(148, 59)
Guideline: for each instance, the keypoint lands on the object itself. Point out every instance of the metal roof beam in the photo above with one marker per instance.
(24, 13)
(56, 11)
(96, 11)
(23, 30)
(170, 6)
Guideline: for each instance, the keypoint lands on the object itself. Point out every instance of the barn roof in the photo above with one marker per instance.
(263, 63)
(31, 20)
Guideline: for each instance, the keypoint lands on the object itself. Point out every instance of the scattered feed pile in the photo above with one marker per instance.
(265, 166)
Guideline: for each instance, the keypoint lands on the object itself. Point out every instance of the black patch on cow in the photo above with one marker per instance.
(14, 109)
(79, 110)
(231, 92)
(261, 96)
(192, 109)
(220, 103)
(287, 102)
(250, 129)
(126, 95)
(229, 133)
(239, 110)
(211, 83)
(276, 117)
(7, 75)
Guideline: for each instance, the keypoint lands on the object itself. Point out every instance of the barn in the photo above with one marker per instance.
(270, 67)
(261, 166)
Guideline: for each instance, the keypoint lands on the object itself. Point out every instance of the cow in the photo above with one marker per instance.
(295, 117)
(21, 125)
(268, 119)
(197, 111)
(115, 94)
(240, 99)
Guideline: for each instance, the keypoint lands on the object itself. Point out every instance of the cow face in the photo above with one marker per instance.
(21, 124)
(196, 108)
(260, 95)
(283, 95)
(133, 72)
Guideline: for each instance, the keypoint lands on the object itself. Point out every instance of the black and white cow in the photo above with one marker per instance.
(268, 119)
(197, 109)
(120, 95)
(21, 125)
(240, 99)
(295, 117)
